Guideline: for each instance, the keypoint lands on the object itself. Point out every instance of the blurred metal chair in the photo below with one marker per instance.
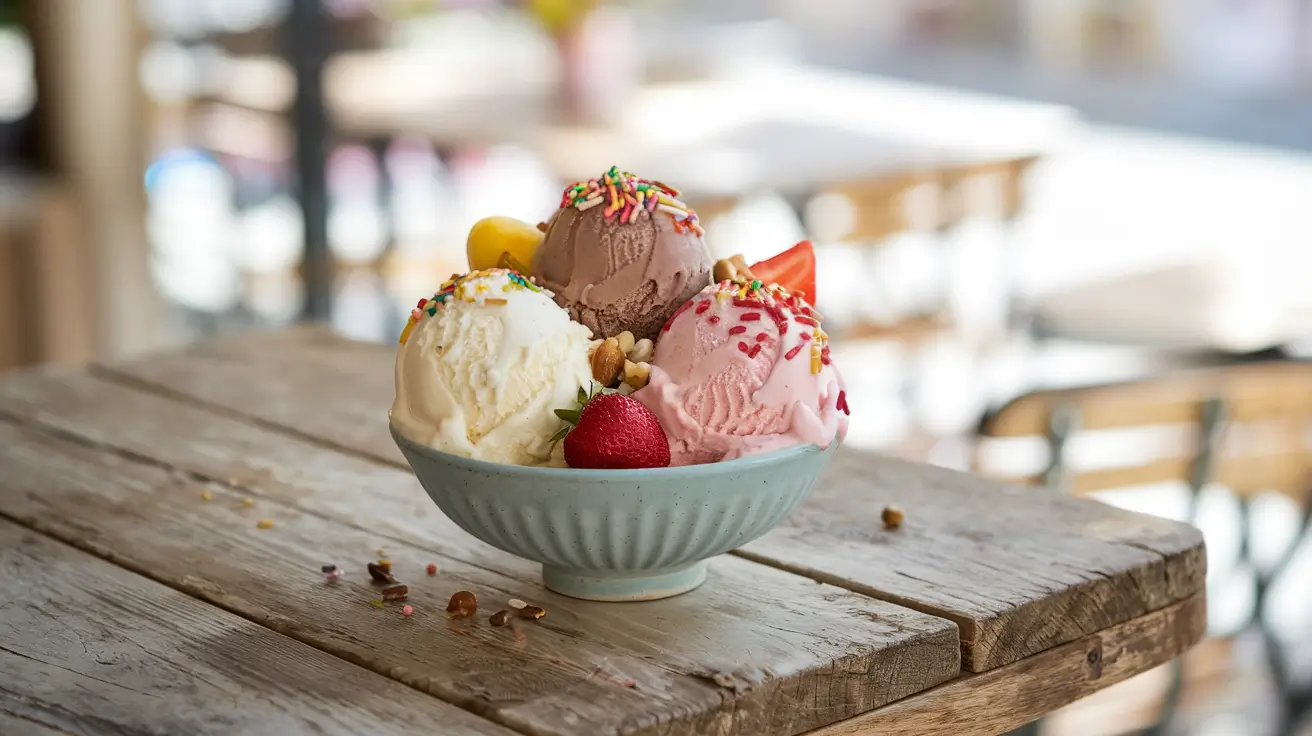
(1243, 427)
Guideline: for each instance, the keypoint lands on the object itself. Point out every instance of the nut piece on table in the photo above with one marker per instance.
(607, 362)
(500, 618)
(642, 351)
(892, 517)
(636, 374)
(463, 604)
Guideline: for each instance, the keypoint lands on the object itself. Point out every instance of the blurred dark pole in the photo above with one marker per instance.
(307, 46)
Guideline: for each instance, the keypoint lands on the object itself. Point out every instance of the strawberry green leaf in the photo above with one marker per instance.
(559, 435)
(569, 415)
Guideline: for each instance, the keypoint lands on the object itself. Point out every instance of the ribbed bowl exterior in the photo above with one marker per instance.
(618, 522)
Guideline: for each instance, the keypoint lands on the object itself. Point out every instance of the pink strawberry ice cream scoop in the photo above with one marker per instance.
(744, 368)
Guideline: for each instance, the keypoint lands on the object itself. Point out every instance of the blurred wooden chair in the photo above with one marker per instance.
(1243, 427)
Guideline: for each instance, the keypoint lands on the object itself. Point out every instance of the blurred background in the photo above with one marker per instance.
(1065, 242)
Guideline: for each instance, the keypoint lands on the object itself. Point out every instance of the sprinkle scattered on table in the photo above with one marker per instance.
(431, 569)
(407, 610)
(248, 502)
(205, 495)
(264, 524)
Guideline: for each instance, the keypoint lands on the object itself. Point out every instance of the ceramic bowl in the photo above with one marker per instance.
(618, 535)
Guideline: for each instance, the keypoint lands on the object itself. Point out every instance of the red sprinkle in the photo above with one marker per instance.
(737, 329)
(750, 317)
(703, 306)
(753, 303)
(824, 355)
(431, 569)
(762, 337)
(742, 346)
(755, 349)
(806, 320)
(713, 318)
(422, 302)
(805, 336)
(842, 403)
(793, 352)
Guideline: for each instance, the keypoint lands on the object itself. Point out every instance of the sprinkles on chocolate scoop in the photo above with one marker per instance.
(627, 197)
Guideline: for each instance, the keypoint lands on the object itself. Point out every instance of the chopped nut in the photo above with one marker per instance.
(463, 604)
(607, 362)
(723, 270)
(728, 269)
(636, 374)
(626, 341)
(396, 593)
(542, 227)
(892, 517)
(517, 604)
(500, 618)
(379, 573)
(740, 266)
(532, 612)
(642, 351)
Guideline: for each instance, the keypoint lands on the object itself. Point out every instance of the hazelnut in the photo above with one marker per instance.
(636, 374)
(642, 351)
(532, 612)
(396, 593)
(892, 517)
(626, 341)
(740, 266)
(607, 362)
(463, 604)
(500, 618)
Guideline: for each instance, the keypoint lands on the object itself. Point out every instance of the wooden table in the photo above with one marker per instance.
(164, 522)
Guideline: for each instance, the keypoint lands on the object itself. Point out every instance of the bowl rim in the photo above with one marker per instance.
(700, 471)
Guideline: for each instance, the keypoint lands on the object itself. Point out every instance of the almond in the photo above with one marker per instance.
(723, 270)
(636, 374)
(607, 362)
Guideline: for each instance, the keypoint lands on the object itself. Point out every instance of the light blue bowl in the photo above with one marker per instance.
(618, 535)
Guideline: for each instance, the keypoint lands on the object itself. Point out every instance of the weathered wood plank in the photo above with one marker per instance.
(1017, 570)
(1038, 684)
(88, 647)
(789, 654)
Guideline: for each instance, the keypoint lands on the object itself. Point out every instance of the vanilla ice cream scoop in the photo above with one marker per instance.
(483, 364)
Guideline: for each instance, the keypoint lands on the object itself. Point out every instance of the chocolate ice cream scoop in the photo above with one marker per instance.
(621, 254)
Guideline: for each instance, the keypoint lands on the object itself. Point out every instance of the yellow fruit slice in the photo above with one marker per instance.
(502, 242)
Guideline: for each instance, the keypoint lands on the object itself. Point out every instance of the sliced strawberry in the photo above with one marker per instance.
(794, 269)
(613, 431)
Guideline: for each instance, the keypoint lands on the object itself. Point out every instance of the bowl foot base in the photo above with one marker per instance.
(624, 588)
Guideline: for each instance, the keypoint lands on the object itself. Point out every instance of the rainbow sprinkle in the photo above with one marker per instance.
(455, 288)
(626, 197)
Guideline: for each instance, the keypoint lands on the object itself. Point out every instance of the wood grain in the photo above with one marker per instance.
(755, 651)
(88, 647)
(1039, 684)
(1018, 571)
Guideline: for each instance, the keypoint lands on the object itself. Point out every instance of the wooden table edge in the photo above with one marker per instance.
(1010, 696)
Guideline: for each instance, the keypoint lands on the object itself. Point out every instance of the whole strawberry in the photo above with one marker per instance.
(613, 431)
